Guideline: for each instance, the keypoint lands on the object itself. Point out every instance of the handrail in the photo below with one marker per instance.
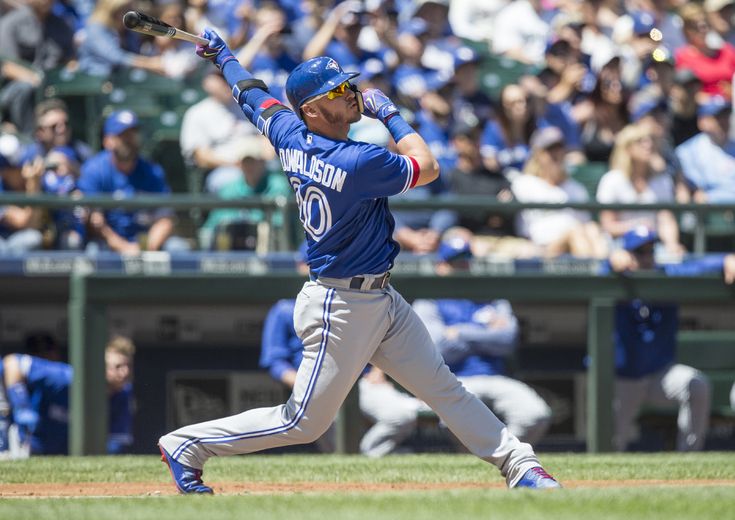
(458, 203)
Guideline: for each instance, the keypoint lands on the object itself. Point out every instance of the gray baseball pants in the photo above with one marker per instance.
(343, 330)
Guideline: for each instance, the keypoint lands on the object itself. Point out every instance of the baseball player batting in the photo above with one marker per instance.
(347, 315)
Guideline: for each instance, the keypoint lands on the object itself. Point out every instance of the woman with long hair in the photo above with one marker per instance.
(633, 178)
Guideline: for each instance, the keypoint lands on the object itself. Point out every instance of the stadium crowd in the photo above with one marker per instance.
(613, 101)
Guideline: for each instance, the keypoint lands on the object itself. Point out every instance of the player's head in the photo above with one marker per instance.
(319, 88)
(455, 251)
(119, 354)
(640, 241)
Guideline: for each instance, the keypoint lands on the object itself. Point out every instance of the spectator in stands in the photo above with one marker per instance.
(505, 139)
(177, 60)
(683, 102)
(38, 393)
(475, 338)
(33, 40)
(569, 75)
(61, 173)
(714, 66)
(604, 113)
(411, 76)
(119, 170)
(708, 158)
(53, 130)
(107, 45)
(475, 19)
(545, 179)
(493, 231)
(393, 413)
(213, 131)
(720, 17)
(338, 37)
(521, 32)
(645, 347)
(265, 53)
(469, 100)
(637, 175)
(19, 226)
(254, 178)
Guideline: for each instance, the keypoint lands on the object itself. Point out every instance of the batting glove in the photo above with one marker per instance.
(378, 105)
(216, 50)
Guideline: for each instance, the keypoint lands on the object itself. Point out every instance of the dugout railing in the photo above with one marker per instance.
(699, 216)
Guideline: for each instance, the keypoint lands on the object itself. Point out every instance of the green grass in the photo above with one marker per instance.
(642, 501)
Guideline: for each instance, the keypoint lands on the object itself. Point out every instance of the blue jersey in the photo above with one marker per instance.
(645, 334)
(48, 385)
(281, 349)
(99, 175)
(341, 189)
(483, 347)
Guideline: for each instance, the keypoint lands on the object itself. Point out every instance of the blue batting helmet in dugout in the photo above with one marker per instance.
(314, 77)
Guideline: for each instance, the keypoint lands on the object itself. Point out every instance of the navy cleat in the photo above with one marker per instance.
(188, 480)
(537, 478)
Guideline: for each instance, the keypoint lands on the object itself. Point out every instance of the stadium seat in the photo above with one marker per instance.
(589, 175)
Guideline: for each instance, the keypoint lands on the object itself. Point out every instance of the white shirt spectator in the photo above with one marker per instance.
(518, 27)
(474, 19)
(616, 187)
(544, 226)
(210, 124)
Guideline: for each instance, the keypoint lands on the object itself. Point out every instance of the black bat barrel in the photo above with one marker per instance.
(140, 22)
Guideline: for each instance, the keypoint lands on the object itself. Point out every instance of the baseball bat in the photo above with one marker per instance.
(145, 24)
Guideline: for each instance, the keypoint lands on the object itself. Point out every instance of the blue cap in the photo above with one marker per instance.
(464, 55)
(637, 237)
(119, 121)
(643, 103)
(314, 77)
(643, 22)
(414, 26)
(713, 106)
(546, 137)
(453, 249)
(370, 68)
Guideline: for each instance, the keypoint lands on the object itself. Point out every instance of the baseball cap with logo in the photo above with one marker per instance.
(638, 237)
(645, 102)
(119, 121)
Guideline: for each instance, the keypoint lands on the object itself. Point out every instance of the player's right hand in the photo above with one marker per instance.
(216, 50)
(378, 105)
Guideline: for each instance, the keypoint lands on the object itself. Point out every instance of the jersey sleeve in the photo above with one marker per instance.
(275, 354)
(381, 173)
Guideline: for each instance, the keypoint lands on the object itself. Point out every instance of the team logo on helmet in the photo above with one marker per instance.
(331, 64)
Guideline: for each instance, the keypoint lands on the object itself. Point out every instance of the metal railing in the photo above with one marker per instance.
(461, 204)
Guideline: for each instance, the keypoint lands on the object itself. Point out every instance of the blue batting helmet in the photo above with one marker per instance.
(314, 77)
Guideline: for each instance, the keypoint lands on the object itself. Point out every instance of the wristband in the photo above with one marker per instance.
(398, 127)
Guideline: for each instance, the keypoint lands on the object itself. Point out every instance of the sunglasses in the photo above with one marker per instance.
(336, 92)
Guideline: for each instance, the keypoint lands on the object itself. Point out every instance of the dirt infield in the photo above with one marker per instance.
(139, 489)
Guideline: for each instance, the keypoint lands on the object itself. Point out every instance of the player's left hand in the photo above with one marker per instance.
(378, 105)
(216, 51)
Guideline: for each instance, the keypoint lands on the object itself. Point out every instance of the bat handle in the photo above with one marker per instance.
(193, 38)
